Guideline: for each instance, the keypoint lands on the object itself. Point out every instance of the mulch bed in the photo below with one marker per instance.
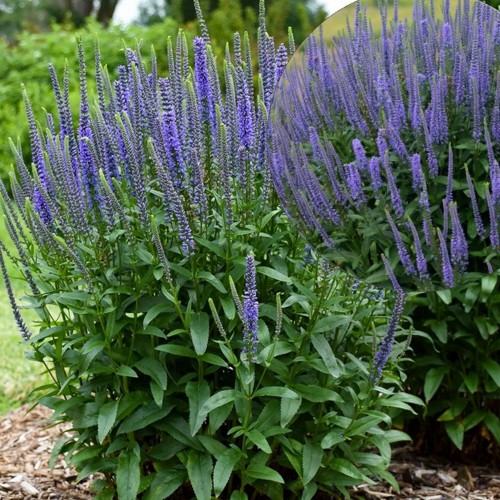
(26, 441)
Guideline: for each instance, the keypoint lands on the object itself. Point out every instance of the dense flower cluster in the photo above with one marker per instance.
(387, 145)
(181, 135)
(165, 156)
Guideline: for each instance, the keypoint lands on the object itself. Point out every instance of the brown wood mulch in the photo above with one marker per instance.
(26, 442)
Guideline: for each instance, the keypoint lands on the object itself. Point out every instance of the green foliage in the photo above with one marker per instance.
(160, 395)
(458, 370)
(149, 370)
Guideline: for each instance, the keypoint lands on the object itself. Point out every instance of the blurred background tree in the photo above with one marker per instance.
(37, 15)
(224, 17)
(79, 10)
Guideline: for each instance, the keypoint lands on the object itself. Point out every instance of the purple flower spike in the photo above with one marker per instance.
(447, 35)
(374, 170)
(395, 285)
(359, 153)
(421, 262)
(416, 172)
(446, 269)
(475, 209)
(459, 248)
(354, 184)
(404, 256)
(207, 113)
(397, 204)
(494, 238)
(385, 346)
(250, 311)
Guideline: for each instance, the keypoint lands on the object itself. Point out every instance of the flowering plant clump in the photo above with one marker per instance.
(157, 260)
(387, 145)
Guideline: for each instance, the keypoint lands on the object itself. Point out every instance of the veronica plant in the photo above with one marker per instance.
(157, 259)
(386, 145)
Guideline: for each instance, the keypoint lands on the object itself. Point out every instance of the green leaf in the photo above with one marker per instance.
(213, 446)
(457, 406)
(57, 450)
(493, 369)
(260, 471)
(155, 311)
(455, 431)
(228, 354)
(213, 359)
(332, 322)
(177, 350)
(471, 381)
(144, 416)
(259, 440)
(433, 380)
(199, 328)
(345, 467)
(277, 392)
(126, 371)
(154, 369)
(364, 424)
(219, 399)
(317, 394)
(215, 248)
(332, 438)
(445, 296)
(488, 284)
(165, 483)
(471, 295)
(223, 469)
(238, 495)
(128, 473)
(493, 423)
(228, 306)
(440, 328)
(197, 393)
(324, 349)
(157, 392)
(106, 419)
(288, 409)
(473, 419)
(312, 455)
(309, 491)
(199, 467)
(218, 416)
(272, 273)
(215, 282)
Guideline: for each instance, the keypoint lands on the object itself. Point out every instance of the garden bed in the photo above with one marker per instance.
(26, 442)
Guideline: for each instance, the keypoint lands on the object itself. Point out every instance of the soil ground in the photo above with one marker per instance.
(26, 441)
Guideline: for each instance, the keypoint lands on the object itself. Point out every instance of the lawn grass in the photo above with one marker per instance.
(18, 375)
(337, 22)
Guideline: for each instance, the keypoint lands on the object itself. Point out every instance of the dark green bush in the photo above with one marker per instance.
(458, 372)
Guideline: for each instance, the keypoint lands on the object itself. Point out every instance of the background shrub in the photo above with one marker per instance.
(457, 372)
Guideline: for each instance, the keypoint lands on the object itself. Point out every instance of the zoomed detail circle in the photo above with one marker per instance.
(384, 138)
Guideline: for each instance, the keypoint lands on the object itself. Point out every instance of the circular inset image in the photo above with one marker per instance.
(384, 132)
